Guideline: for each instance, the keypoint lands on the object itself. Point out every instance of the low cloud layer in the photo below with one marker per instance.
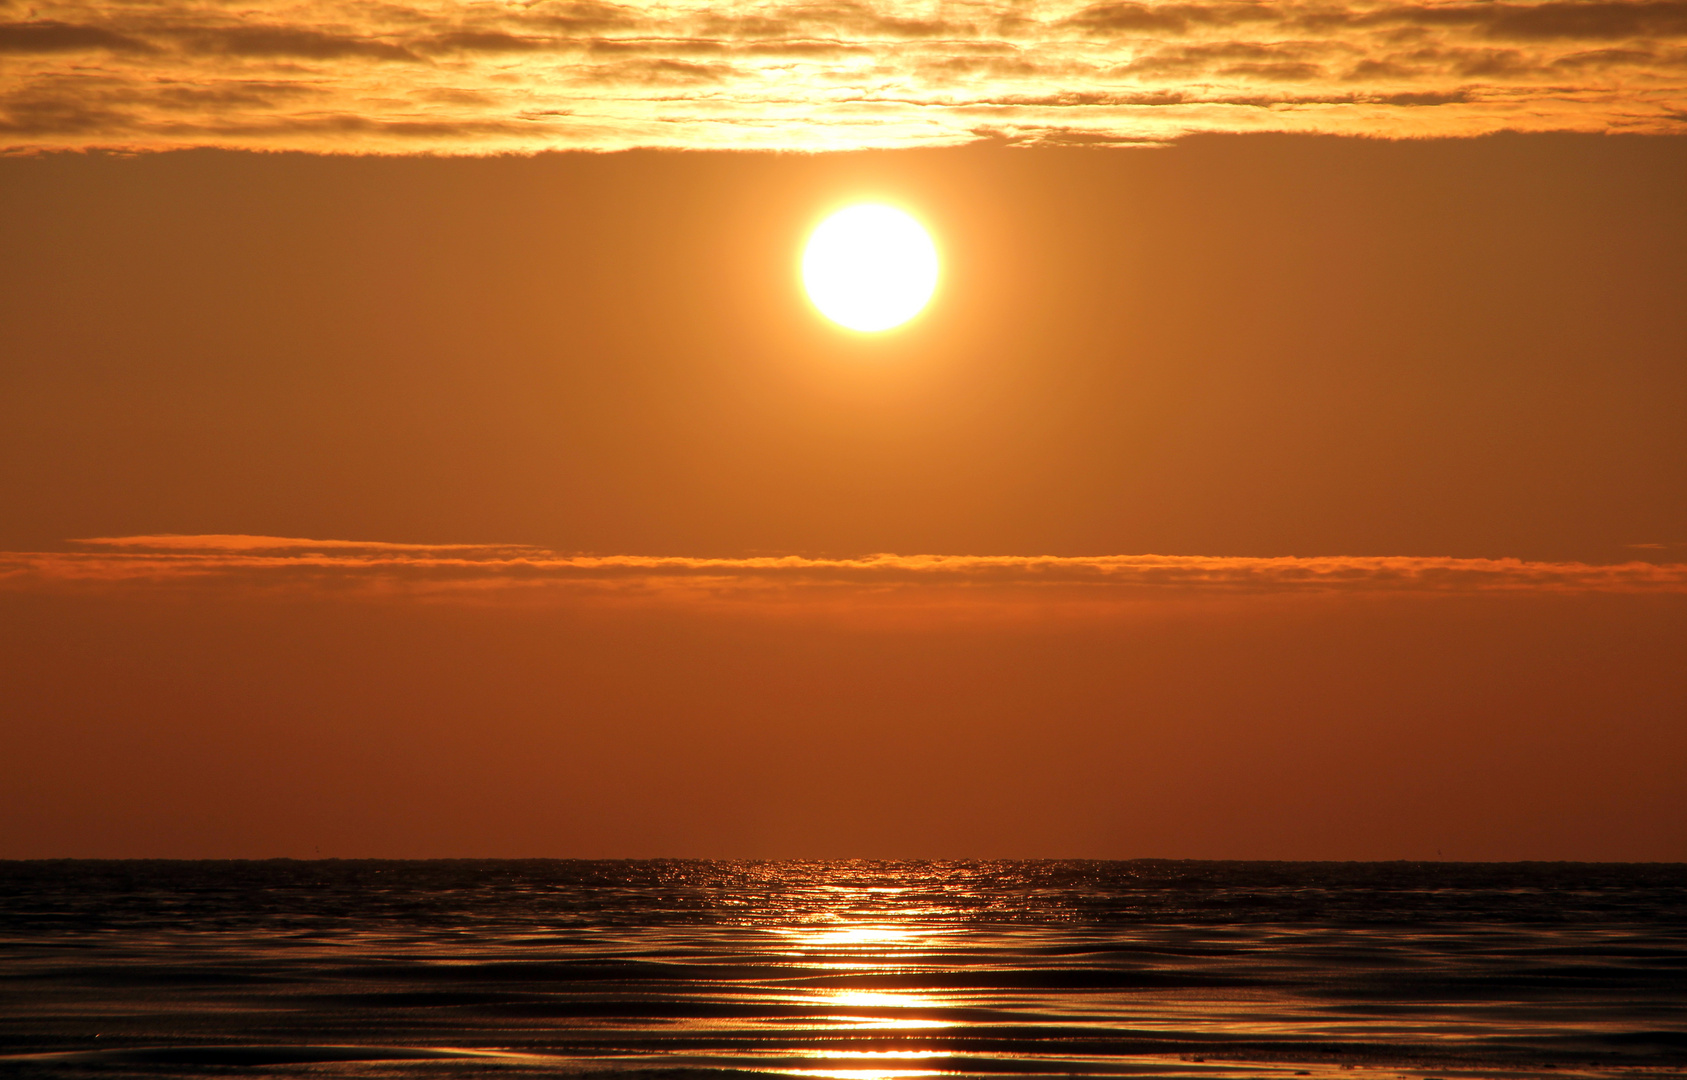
(469, 572)
(489, 77)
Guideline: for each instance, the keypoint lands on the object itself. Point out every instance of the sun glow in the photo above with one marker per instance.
(870, 267)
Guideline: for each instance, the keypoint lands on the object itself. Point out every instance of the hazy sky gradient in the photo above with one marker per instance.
(1251, 496)
(1261, 347)
(223, 723)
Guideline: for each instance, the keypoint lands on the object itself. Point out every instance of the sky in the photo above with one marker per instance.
(415, 440)
(534, 75)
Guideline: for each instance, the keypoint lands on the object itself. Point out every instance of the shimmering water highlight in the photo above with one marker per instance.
(868, 971)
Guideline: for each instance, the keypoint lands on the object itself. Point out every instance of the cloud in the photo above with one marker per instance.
(287, 41)
(493, 76)
(58, 37)
(242, 565)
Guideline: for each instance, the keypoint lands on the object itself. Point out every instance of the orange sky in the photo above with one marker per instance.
(491, 76)
(1250, 496)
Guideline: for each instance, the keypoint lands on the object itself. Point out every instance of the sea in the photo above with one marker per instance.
(849, 970)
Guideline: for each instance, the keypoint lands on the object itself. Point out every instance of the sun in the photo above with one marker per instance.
(870, 267)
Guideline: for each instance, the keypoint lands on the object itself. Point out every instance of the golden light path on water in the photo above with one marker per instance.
(867, 947)
(911, 949)
(870, 972)
(915, 947)
(853, 941)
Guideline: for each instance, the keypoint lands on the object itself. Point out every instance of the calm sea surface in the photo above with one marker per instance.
(863, 970)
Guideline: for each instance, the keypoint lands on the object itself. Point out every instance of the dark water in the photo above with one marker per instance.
(864, 970)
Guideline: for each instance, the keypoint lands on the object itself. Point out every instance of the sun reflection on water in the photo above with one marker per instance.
(855, 940)
(857, 972)
(862, 999)
(877, 1057)
(821, 937)
(860, 1074)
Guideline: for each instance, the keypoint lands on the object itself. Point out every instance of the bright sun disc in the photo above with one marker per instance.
(869, 267)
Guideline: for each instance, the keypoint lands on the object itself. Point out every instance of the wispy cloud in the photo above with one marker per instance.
(489, 76)
(280, 564)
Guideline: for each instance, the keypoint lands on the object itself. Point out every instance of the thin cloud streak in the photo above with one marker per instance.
(495, 77)
(288, 565)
